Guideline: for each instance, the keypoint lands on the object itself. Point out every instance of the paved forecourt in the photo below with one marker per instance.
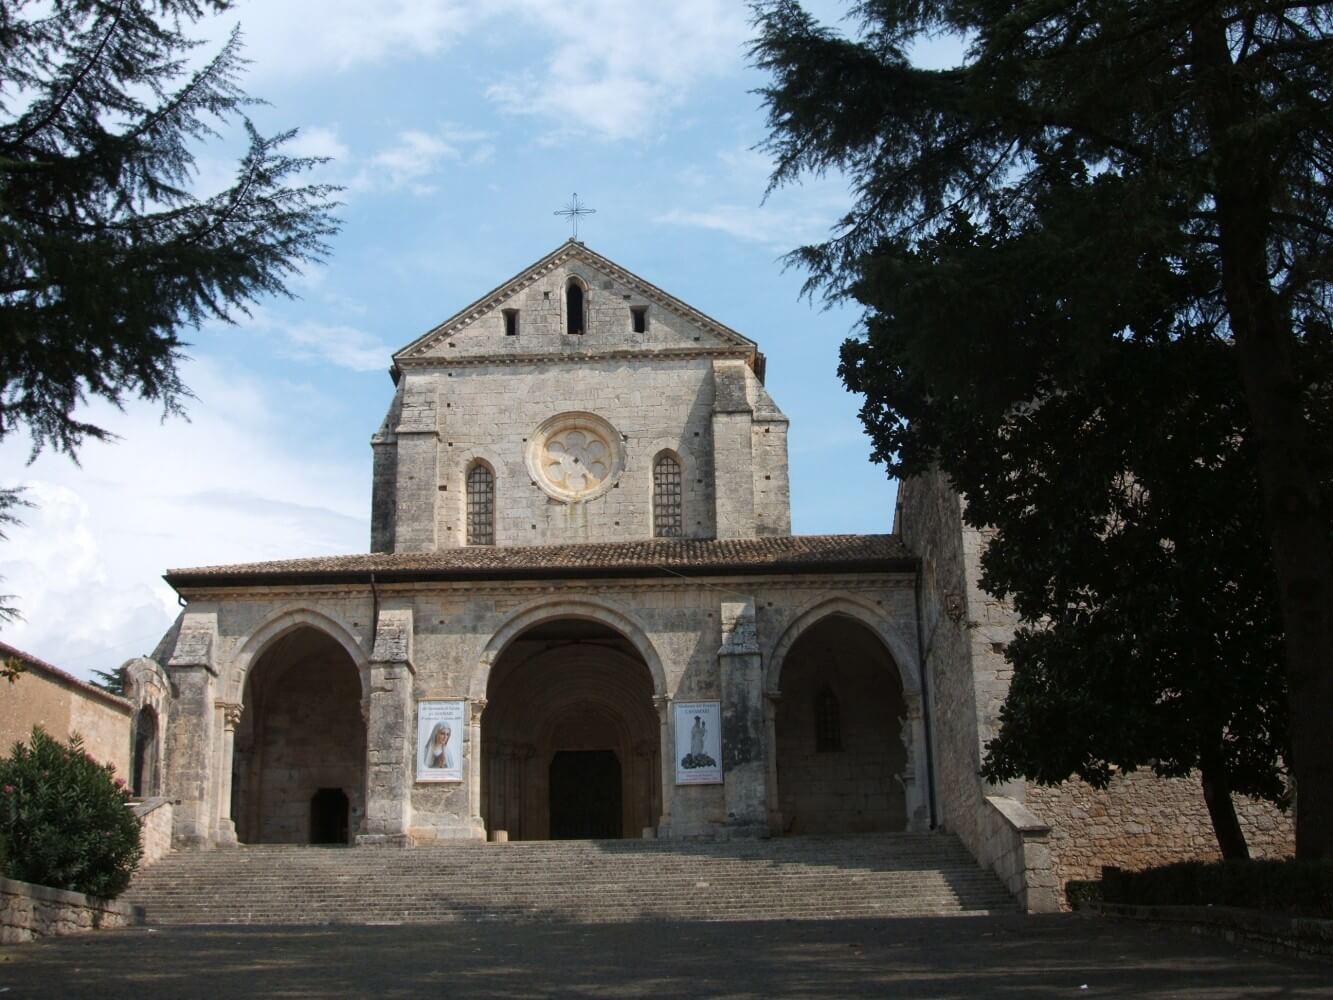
(964, 957)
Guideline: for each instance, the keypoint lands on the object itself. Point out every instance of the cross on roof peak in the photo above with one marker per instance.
(574, 211)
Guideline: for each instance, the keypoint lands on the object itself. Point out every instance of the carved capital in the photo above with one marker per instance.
(231, 713)
(478, 706)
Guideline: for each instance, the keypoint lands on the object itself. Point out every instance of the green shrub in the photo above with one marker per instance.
(1296, 887)
(64, 820)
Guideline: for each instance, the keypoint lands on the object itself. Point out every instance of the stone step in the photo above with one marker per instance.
(583, 881)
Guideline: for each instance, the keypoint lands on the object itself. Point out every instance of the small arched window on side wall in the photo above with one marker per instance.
(480, 505)
(668, 511)
(143, 776)
(576, 307)
(828, 722)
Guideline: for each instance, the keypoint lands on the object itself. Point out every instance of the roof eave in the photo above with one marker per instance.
(183, 581)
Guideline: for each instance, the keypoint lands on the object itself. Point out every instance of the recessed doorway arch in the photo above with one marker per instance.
(843, 733)
(570, 735)
(300, 743)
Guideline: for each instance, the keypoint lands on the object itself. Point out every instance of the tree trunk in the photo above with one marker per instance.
(1222, 810)
(1296, 524)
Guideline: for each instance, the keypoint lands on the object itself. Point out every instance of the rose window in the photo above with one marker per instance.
(574, 456)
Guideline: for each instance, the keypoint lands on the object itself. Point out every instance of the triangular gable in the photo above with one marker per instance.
(458, 338)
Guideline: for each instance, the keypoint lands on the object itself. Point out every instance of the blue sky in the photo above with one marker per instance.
(457, 129)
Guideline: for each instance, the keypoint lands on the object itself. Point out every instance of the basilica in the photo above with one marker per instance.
(583, 615)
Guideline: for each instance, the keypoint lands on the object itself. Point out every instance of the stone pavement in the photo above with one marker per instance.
(964, 957)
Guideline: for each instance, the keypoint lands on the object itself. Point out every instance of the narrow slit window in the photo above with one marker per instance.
(511, 322)
(480, 505)
(668, 513)
(574, 307)
(828, 722)
(639, 319)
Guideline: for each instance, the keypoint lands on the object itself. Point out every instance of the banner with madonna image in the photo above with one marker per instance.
(698, 742)
(440, 740)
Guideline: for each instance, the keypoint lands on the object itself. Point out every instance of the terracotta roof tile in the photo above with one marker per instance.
(656, 557)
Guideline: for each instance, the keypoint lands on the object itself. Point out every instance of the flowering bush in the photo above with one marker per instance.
(64, 821)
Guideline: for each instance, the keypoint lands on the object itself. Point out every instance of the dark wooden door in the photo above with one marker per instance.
(586, 801)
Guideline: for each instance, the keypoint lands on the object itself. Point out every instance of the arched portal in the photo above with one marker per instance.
(841, 753)
(300, 748)
(570, 738)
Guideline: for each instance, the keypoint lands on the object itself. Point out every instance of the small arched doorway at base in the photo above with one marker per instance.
(570, 737)
(300, 749)
(329, 815)
(841, 758)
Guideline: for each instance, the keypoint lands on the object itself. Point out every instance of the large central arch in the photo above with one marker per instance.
(570, 737)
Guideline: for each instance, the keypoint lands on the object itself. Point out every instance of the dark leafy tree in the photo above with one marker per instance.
(111, 681)
(1156, 176)
(10, 500)
(106, 252)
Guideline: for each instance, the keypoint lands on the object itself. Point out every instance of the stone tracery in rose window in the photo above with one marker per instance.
(575, 456)
(577, 460)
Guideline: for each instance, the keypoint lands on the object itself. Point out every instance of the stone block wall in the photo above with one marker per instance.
(155, 818)
(31, 912)
(1141, 820)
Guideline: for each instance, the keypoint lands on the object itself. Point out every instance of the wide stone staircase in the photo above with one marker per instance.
(794, 878)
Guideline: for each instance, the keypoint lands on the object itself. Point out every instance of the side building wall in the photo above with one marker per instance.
(64, 705)
(1137, 822)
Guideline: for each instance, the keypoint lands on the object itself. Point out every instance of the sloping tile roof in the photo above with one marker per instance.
(63, 677)
(650, 558)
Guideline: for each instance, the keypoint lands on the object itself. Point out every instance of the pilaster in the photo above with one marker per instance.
(389, 732)
(744, 727)
(191, 751)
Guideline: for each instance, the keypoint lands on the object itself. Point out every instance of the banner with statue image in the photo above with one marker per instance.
(698, 742)
(440, 740)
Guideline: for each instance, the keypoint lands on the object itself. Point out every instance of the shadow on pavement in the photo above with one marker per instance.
(964, 957)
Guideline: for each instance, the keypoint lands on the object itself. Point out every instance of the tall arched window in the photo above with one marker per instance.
(668, 515)
(480, 505)
(575, 311)
(828, 724)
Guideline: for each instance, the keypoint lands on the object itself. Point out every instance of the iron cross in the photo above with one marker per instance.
(574, 210)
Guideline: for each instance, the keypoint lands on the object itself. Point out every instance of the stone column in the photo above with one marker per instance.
(190, 778)
(472, 769)
(390, 735)
(744, 730)
(667, 758)
(771, 699)
(231, 718)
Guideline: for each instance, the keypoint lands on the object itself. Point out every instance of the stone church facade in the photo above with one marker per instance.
(581, 554)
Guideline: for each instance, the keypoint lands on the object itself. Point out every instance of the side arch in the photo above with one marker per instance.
(282, 622)
(900, 652)
(539, 611)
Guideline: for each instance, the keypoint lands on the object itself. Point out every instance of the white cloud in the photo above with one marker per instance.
(415, 156)
(302, 37)
(234, 484)
(617, 67)
(319, 142)
(344, 346)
